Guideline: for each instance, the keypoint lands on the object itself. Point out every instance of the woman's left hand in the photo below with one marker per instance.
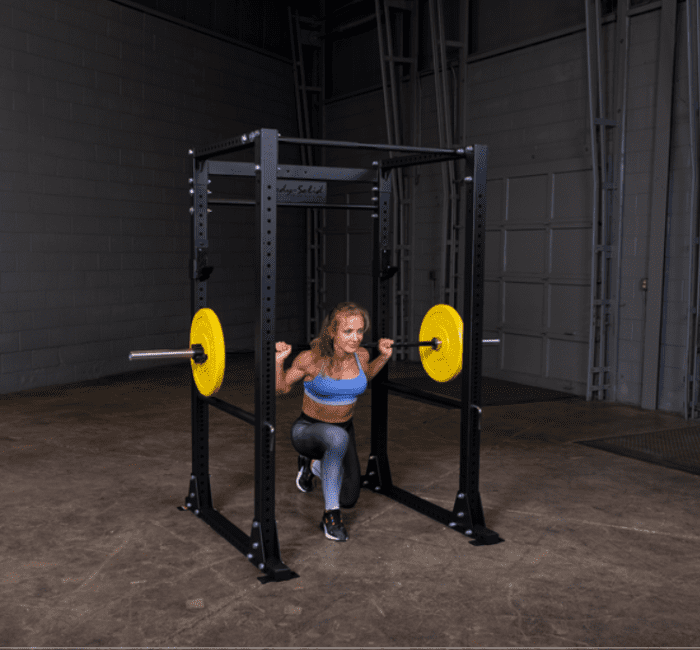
(385, 348)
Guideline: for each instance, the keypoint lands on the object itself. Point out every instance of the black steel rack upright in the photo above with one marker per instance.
(261, 547)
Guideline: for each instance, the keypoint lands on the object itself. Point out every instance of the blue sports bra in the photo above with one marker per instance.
(336, 392)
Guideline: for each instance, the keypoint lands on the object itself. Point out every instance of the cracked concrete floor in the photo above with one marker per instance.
(599, 550)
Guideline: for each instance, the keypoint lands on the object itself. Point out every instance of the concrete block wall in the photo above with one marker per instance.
(531, 106)
(99, 104)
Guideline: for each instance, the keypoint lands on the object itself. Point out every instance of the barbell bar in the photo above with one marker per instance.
(435, 343)
(441, 356)
(196, 353)
(198, 356)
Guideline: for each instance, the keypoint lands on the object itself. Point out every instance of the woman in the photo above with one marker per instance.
(335, 371)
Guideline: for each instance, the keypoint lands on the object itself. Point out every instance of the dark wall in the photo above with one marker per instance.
(99, 105)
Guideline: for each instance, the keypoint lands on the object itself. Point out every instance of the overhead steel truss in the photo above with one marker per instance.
(608, 152)
(402, 93)
(306, 37)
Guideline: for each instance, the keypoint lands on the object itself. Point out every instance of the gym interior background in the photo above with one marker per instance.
(589, 110)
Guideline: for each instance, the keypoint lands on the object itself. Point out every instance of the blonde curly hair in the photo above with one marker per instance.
(322, 345)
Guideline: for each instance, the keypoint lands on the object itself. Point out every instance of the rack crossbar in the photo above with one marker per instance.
(230, 409)
(360, 145)
(343, 174)
(295, 172)
(482, 535)
(423, 395)
(422, 159)
(226, 146)
(229, 531)
(296, 204)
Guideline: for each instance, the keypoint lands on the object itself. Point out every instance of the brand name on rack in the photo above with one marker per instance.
(306, 192)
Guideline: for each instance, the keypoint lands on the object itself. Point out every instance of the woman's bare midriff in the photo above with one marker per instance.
(326, 412)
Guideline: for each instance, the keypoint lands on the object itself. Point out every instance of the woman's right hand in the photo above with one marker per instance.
(282, 351)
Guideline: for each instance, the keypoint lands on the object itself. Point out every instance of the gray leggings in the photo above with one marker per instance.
(334, 446)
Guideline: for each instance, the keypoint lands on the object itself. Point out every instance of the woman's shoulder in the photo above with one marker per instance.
(363, 356)
(305, 359)
(309, 361)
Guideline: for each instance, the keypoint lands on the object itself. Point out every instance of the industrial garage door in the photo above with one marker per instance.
(538, 273)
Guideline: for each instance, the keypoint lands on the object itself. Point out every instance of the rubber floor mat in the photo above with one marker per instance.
(494, 392)
(675, 448)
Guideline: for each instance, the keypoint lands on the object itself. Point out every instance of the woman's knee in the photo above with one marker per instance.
(349, 501)
(338, 440)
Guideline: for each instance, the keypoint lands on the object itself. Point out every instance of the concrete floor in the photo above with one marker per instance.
(600, 550)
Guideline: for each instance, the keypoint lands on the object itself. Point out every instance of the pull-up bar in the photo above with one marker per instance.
(248, 139)
(378, 147)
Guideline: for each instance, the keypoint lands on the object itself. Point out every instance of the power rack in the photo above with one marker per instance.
(261, 547)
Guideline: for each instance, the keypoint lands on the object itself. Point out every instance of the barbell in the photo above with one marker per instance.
(440, 343)
(207, 352)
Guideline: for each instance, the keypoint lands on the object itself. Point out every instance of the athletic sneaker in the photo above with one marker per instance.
(332, 526)
(305, 478)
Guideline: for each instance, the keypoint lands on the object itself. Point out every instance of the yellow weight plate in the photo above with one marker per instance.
(445, 323)
(206, 331)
